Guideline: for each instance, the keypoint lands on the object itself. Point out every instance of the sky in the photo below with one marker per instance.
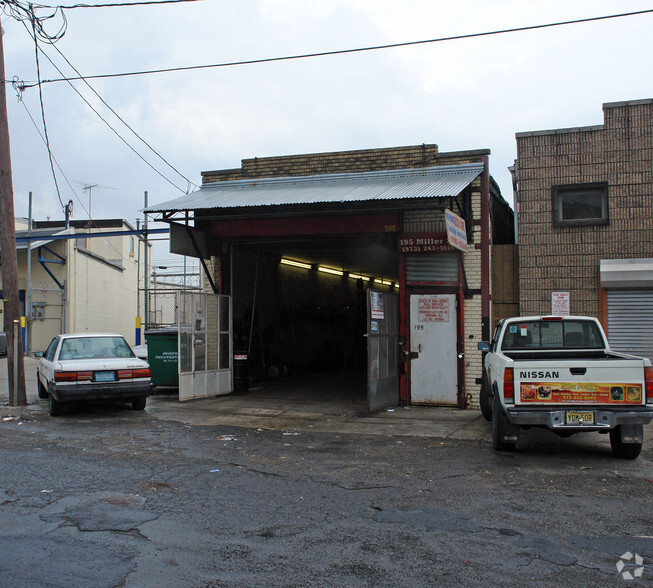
(460, 94)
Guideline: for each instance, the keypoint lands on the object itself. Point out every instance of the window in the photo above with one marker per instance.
(580, 204)
(558, 334)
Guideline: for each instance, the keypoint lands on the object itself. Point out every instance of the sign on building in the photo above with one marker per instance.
(560, 303)
(456, 230)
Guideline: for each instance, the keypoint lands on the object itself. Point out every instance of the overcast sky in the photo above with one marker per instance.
(462, 94)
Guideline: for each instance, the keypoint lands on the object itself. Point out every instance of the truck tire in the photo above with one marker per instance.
(621, 449)
(485, 400)
(499, 428)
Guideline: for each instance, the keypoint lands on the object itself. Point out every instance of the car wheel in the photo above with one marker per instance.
(485, 400)
(56, 407)
(139, 404)
(499, 428)
(621, 449)
(42, 392)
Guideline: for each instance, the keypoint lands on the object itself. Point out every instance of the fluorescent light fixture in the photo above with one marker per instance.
(328, 270)
(295, 263)
(359, 277)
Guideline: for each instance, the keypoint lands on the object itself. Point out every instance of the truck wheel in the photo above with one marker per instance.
(499, 428)
(485, 400)
(621, 449)
(56, 407)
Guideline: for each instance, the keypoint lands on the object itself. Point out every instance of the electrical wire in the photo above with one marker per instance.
(45, 126)
(108, 125)
(347, 51)
(124, 122)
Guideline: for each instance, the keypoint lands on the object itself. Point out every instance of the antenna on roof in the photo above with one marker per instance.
(88, 187)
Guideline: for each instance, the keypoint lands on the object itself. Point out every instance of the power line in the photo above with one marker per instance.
(116, 4)
(105, 122)
(348, 51)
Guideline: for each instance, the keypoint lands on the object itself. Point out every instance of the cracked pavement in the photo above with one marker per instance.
(107, 496)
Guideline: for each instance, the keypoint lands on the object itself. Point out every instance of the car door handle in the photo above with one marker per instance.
(578, 371)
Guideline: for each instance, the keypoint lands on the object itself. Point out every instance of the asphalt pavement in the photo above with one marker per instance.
(242, 491)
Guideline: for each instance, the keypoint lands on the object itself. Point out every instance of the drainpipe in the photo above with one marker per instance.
(485, 249)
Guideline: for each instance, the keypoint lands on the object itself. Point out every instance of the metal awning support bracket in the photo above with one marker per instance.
(59, 260)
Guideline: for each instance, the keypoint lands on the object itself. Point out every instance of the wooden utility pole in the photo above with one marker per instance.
(15, 365)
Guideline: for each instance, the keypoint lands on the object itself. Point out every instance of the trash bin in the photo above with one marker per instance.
(241, 371)
(162, 356)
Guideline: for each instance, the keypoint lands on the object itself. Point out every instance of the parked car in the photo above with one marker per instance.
(92, 366)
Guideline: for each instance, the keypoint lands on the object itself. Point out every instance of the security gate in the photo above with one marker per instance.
(204, 345)
(382, 350)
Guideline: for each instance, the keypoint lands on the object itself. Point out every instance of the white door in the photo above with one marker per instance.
(434, 363)
(204, 347)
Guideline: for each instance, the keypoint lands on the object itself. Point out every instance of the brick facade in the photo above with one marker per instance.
(620, 153)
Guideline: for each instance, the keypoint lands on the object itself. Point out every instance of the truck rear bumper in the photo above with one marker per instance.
(603, 419)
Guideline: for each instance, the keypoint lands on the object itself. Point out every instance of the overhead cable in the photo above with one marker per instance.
(348, 51)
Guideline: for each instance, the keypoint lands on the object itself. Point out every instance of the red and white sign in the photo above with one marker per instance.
(433, 310)
(560, 303)
(456, 230)
(423, 243)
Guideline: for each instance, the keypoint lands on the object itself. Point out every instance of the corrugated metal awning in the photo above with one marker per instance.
(429, 182)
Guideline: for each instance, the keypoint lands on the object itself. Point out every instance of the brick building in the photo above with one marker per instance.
(584, 203)
(341, 261)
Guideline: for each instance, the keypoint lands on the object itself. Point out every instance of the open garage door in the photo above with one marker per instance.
(205, 348)
(382, 350)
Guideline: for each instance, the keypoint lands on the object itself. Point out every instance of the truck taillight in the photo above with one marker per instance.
(508, 386)
(648, 384)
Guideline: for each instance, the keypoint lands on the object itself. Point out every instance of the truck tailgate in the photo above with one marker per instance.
(615, 382)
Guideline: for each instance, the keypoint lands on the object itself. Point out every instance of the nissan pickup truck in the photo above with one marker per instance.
(560, 373)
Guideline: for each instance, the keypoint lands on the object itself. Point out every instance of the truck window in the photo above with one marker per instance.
(564, 334)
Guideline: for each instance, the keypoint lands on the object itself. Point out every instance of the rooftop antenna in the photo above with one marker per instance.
(88, 187)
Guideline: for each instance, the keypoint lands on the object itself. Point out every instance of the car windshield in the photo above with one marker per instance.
(94, 348)
(547, 334)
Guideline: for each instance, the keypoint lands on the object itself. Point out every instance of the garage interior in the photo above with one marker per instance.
(300, 313)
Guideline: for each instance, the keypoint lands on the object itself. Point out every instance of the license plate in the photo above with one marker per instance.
(104, 376)
(579, 418)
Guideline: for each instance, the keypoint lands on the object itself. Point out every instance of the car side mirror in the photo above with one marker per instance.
(39, 354)
(483, 346)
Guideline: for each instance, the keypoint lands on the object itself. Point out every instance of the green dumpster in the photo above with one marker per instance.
(162, 356)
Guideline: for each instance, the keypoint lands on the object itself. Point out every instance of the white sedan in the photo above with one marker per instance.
(92, 366)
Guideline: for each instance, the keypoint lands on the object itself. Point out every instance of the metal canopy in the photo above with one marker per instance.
(429, 182)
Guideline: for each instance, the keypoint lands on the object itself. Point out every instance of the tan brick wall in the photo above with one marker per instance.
(619, 152)
(343, 162)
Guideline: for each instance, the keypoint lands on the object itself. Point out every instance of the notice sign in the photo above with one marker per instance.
(433, 310)
(376, 305)
(560, 303)
(456, 231)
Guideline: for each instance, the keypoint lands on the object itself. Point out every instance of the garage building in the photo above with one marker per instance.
(339, 264)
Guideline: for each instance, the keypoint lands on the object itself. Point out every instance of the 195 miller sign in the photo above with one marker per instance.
(423, 243)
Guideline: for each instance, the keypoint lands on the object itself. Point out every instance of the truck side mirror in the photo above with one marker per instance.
(483, 346)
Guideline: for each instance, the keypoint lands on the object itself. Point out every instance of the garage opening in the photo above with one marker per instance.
(300, 314)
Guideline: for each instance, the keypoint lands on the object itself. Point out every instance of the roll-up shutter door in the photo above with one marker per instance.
(630, 321)
(441, 268)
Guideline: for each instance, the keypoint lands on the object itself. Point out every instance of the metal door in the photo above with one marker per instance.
(382, 350)
(630, 321)
(205, 347)
(433, 367)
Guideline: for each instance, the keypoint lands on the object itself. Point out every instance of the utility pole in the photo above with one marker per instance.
(15, 365)
(146, 270)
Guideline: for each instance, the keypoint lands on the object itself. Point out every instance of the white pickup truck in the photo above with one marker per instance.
(559, 373)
